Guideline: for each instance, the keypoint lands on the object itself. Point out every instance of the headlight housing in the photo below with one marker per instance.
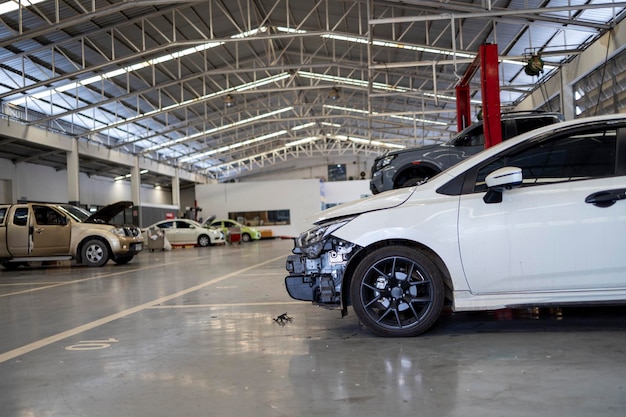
(383, 162)
(119, 231)
(312, 241)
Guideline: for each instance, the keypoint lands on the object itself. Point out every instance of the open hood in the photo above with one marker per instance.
(106, 214)
(380, 201)
(208, 221)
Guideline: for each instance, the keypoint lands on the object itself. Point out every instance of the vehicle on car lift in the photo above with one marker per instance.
(32, 232)
(409, 167)
(533, 221)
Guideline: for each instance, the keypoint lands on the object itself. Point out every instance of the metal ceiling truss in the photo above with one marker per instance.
(151, 78)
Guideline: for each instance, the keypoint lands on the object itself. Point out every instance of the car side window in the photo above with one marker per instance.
(474, 137)
(20, 217)
(567, 158)
(47, 216)
(166, 225)
(3, 213)
(183, 225)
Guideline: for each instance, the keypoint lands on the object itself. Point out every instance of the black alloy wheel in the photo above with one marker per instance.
(397, 291)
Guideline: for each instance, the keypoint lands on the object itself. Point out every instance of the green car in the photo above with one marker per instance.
(247, 233)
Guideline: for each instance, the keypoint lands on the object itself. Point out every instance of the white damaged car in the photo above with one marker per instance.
(537, 220)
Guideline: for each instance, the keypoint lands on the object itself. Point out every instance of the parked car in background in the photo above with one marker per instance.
(51, 232)
(247, 233)
(409, 167)
(533, 221)
(188, 232)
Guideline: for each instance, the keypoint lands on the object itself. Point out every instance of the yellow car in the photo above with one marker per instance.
(247, 233)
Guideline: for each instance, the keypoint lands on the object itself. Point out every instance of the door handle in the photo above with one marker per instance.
(606, 198)
(38, 230)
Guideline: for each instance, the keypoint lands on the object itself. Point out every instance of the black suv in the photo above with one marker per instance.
(408, 167)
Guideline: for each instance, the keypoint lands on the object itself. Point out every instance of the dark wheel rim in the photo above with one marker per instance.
(396, 293)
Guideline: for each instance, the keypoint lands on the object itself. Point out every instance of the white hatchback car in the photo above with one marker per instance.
(537, 220)
(188, 232)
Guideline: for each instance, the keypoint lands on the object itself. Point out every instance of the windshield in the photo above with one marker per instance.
(76, 213)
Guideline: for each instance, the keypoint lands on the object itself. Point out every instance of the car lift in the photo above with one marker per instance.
(487, 61)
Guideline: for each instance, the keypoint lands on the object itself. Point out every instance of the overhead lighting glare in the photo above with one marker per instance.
(289, 30)
(254, 84)
(123, 177)
(247, 86)
(216, 129)
(364, 141)
(360, 111)
(13, 5)
(390, 44)
(304, 126)
(301, 141)
(249, 33)
(128, 69)
(349, 81)
(231, 147)
(114, 73)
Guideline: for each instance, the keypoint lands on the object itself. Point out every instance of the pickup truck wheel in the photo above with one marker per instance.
(397, 291)
(123, 259)
(204, 240)
(11, 265)
(95, 253)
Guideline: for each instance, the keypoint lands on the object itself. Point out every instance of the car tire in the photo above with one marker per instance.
(397, 291)
(94, 253)
(411, 182)
(245, 237)
(204, 240)
(11, 266)
(124, 259)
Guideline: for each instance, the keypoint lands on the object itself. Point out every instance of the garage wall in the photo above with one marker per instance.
(302, 198)
(42, 183)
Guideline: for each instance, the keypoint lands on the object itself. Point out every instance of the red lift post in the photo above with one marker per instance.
(487, 62)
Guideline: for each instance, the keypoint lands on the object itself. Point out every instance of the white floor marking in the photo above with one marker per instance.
(59, 284)
(12, 354)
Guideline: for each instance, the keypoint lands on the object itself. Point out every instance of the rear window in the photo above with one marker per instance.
(20, 217)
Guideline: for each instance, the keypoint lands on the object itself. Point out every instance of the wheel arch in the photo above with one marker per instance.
(204, 234)
(355, 260)
(413, 170)
(79, 247)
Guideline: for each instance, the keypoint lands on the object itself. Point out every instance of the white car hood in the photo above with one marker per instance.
(380, 201)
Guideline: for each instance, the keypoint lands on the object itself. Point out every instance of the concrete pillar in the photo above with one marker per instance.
(176, 189)
(135, 191)
(73, 174)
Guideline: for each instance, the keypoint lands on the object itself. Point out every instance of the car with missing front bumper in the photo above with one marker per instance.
(536, 220)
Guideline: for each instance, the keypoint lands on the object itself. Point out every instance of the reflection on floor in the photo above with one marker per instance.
(212, 332)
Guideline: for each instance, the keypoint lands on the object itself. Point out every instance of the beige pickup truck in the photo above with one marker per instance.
(32, 232)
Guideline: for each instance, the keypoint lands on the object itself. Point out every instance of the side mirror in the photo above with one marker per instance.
(499, 180)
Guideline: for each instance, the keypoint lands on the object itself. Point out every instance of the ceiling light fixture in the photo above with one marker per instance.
(229, 101)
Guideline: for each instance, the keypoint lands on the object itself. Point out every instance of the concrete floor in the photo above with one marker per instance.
(191, 332)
